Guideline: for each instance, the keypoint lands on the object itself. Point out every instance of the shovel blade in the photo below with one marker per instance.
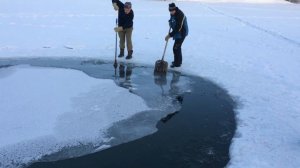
(161, 66)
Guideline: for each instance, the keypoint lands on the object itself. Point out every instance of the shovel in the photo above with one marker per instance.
(161, 66)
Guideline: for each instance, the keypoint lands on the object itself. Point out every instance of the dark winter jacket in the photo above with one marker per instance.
(178, 23)
(124, 20)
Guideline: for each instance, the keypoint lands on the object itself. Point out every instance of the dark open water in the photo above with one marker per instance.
(197, 135)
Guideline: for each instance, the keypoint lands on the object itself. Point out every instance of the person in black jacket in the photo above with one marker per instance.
(125, 26)
(178, 23)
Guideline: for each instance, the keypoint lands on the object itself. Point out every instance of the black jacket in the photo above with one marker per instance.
(124, 20)
(176, 22)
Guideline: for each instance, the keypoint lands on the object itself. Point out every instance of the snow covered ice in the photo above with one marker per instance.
(250, 47)
(45, 109)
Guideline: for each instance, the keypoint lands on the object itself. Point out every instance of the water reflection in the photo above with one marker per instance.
(197, 136)
(125, 71)
(160, 79)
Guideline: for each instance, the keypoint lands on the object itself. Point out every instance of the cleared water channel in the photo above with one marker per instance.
(194, 130)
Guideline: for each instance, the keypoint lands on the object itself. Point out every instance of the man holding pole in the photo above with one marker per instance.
(125, 26)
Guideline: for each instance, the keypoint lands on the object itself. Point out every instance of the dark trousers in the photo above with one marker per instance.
(177, 51)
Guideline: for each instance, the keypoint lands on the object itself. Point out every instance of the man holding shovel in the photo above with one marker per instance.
(125, 26)
(178, 23)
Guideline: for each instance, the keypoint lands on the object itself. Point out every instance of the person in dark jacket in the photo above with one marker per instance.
(125, 26)
(178, 23)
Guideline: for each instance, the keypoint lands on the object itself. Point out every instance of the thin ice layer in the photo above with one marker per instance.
(46, 109)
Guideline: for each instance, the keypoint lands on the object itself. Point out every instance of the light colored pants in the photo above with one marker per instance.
(126, 35)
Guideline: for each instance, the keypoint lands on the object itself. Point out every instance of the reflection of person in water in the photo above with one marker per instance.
(125, 72)
(174, 92)
(174, 88)
(161, 80)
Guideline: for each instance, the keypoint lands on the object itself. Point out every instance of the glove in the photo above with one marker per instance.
(115, 6)
(118, 29)
(167, 37)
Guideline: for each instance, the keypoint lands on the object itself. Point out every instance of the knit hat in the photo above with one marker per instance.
(172, 6)
(127, 5)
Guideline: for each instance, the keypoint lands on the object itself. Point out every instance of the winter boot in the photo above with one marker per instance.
(173, 65)
(129, 56)
(121, 53)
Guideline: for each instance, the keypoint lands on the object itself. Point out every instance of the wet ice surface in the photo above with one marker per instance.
(46, 109)
(198, 134)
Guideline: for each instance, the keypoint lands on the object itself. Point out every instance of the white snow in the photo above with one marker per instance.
(236, 1)
(251, 49)
(45, 109)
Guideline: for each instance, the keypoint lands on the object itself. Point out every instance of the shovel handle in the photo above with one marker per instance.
(116, 39)
(166, 46)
